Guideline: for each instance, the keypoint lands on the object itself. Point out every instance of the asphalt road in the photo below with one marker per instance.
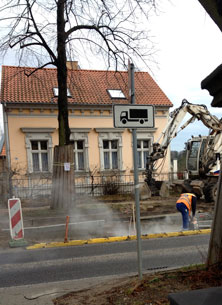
(22, 267)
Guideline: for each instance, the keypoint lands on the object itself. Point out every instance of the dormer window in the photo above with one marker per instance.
(56, 92)
(116, 93)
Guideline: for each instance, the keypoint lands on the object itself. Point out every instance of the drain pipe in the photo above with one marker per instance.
(8, 157)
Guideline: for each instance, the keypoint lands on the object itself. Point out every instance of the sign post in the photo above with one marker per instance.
(16, 223)
(134, 116)
(136, 179)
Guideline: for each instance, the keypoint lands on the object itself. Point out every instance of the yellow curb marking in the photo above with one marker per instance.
(115, 239)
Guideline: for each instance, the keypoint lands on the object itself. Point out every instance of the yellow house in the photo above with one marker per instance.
(31, 128)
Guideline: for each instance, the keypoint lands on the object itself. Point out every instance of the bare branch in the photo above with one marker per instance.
(39, 68)
(44, 43)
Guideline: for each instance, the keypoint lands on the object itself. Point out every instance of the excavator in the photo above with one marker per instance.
(202, 153)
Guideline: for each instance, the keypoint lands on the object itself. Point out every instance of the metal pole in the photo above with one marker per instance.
(136, 179)
(8, 157)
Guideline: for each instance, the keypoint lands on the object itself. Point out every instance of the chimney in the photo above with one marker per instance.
(72, 65)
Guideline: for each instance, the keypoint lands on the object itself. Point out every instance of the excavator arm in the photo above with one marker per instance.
(197, 112)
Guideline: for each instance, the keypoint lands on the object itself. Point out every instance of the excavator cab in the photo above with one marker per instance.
(196, 165)
(195, 150)
(199, 176)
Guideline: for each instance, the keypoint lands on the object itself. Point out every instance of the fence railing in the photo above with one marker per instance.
(31, 187)
(40, 188)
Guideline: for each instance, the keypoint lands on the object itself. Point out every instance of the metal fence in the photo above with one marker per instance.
(40, 188)
(30, 187)
(105, 184)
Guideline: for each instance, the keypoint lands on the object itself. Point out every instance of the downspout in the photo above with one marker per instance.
(7, 146)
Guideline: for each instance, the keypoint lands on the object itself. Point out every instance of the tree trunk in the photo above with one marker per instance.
(215, 246)
(63, 120)
(63, 179)
(214, 9)
(63, 182)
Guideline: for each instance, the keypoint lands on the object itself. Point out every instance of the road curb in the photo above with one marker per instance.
(115, 239)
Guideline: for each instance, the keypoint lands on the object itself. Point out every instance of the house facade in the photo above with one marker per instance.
(2, 155)
(31, 128)
(3, 172)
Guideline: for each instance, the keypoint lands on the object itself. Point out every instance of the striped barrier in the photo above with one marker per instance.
(15, 218)
(16, 223)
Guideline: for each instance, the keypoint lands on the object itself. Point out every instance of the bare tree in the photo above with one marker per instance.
(50, 32)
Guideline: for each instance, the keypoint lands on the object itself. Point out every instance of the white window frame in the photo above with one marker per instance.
(38, 134)
(76, 153)
(110, 134)
(142, 150)
(56, 92)
(145, 134)
(110, 152)
(116, 93)
(81, 134)
(39, 152)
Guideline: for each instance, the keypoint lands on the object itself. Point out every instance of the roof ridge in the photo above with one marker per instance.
(94, 70)
(24, 67)
(84, 70)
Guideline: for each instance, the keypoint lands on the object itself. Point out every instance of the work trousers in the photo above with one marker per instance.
(181, 207)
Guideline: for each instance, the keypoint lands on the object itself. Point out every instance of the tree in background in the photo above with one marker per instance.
(182, 161)
(180, 156)
(50, 32)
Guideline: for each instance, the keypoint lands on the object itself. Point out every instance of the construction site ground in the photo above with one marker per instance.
(110, 209)
(158, 206)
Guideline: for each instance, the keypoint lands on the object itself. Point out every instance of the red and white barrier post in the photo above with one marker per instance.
(16, 223)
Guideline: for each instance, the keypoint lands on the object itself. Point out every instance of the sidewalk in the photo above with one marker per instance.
(43, 294)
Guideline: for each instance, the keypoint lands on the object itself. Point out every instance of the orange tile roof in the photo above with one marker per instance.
(86, 87)
(3, 152)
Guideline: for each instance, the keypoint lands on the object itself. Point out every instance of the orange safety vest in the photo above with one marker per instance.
(186, 198)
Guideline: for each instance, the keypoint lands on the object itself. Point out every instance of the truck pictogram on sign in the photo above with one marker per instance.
(133, 116)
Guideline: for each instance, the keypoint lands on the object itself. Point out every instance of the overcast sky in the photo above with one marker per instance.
(189, 47)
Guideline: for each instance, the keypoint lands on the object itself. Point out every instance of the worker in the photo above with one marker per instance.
(185, 205)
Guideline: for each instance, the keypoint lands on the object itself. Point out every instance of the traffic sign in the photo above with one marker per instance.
(133, 116)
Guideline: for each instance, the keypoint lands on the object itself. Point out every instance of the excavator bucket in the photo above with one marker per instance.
(145, 191)
(160, 188)
(164, 190)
